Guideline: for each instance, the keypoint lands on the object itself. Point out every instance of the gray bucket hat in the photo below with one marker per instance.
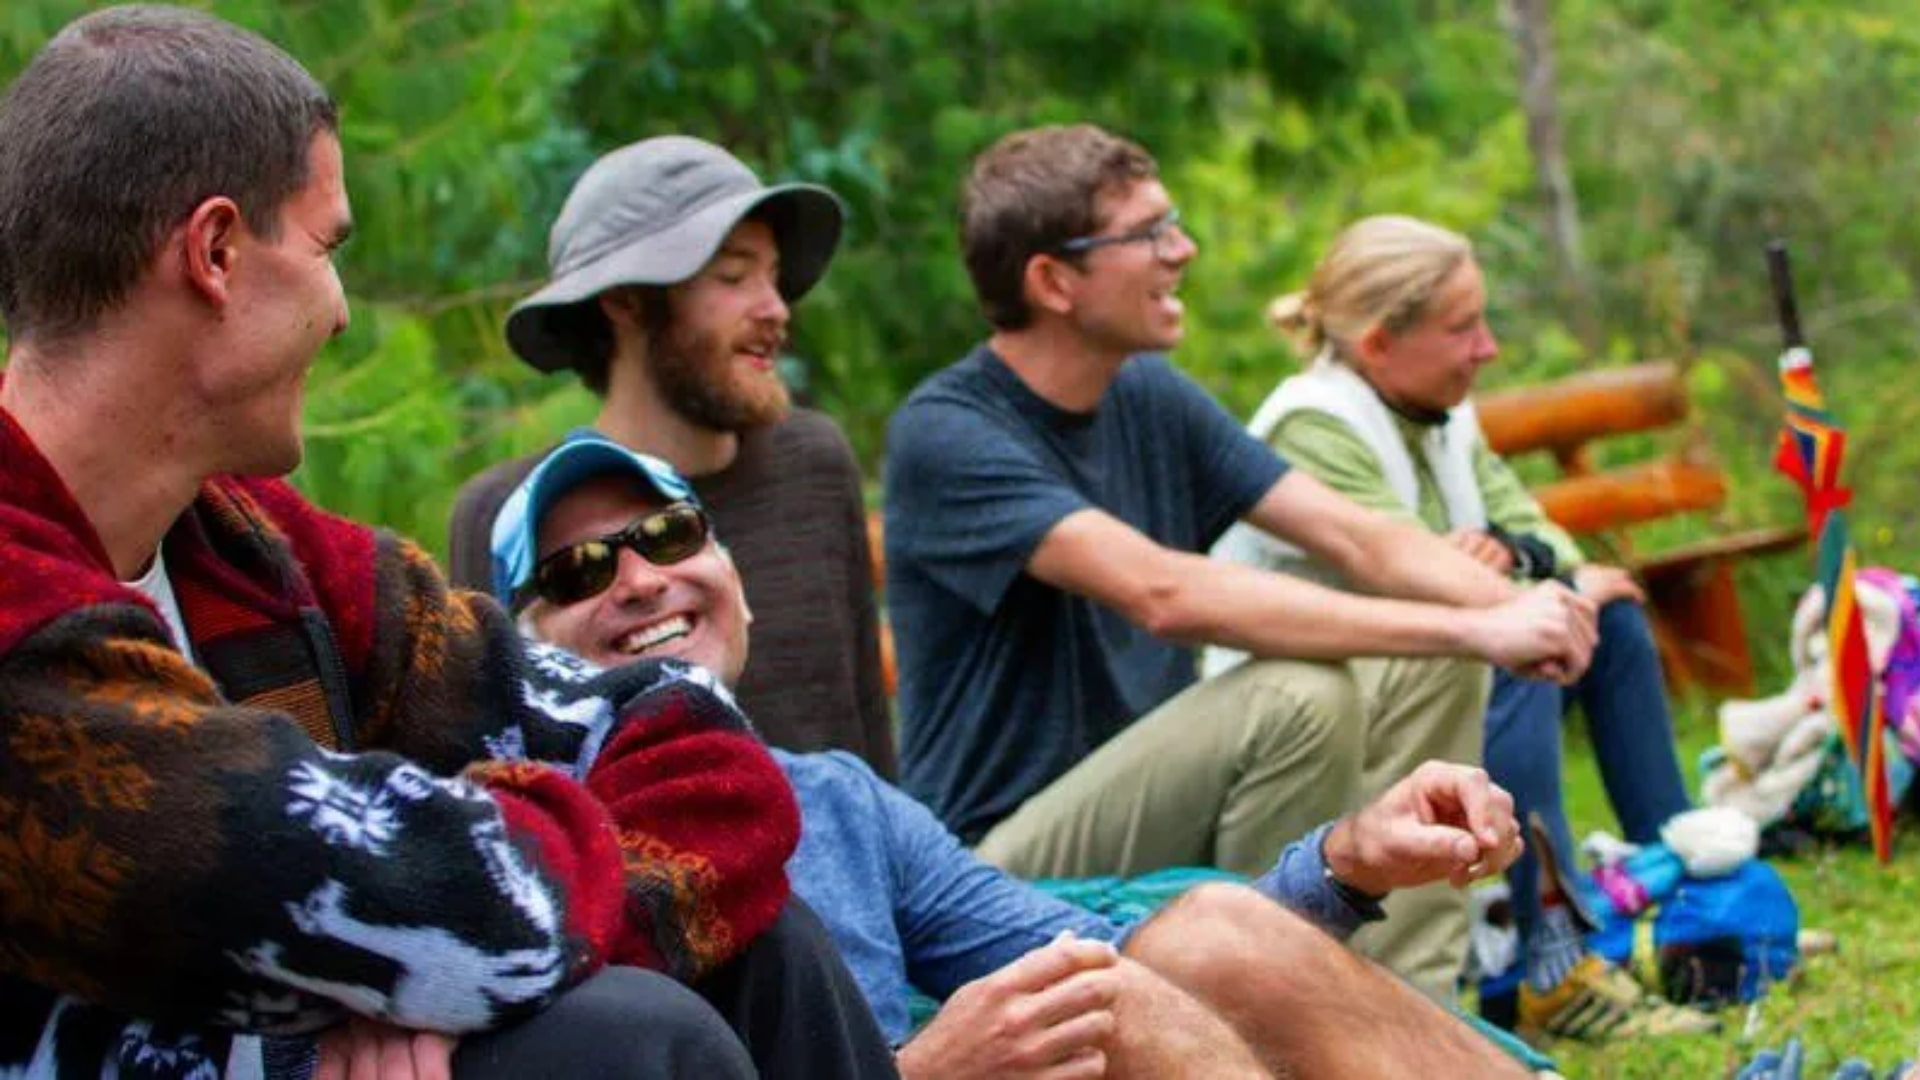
(654, 213)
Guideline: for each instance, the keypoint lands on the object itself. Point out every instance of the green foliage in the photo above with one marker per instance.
(1694, 132)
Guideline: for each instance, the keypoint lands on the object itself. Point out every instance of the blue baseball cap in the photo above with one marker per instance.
(584, 455)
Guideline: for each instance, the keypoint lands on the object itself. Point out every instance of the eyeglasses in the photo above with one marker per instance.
(580, 571)
(1160, 233)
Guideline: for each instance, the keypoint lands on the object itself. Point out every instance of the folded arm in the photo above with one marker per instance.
(177, 857)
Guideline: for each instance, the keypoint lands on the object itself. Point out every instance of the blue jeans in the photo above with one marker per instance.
(1625, 704)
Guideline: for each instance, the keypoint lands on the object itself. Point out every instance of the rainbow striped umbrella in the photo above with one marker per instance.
(1811, 450)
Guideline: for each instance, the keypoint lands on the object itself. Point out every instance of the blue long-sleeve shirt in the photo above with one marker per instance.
(909, 906)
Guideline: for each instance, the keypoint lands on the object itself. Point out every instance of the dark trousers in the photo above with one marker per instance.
(1625, 703)
(623, 1022)
(785, 1007)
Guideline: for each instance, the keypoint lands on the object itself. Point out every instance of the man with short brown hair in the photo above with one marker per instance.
(1011, 186)
(1050, 499)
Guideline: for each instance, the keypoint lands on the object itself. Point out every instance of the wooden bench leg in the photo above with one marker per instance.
(1699, 628)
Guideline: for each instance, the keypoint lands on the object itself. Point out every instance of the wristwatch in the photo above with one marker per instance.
(1366, 905)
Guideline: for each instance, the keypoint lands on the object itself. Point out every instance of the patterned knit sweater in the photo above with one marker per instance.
(309, 824)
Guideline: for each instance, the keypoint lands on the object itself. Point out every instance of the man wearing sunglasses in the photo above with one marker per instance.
(1050, 500)
(600, 548)
(672, 271)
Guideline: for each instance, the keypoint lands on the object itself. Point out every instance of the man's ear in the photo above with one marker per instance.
(622, 309)
(1048, 283)
(211, 248)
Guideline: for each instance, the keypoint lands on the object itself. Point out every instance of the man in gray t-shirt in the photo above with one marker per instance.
(1040, 651)
(1049, 502)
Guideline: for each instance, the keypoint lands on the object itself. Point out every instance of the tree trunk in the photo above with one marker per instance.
(1530, 23)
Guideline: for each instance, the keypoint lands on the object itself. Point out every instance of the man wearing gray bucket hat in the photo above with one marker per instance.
(673, 268)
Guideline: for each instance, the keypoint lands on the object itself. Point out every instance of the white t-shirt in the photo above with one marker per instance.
(158, 587)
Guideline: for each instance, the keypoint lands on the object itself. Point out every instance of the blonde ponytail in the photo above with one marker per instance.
(1295, 317)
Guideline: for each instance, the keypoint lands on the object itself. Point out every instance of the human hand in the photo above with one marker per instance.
(1482, 548)
(1047, 1015)
(1547, 631)
(1444, 821)
(363, 1049)
(1605, 584)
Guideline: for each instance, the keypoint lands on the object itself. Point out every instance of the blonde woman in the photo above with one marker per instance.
(1393, 323)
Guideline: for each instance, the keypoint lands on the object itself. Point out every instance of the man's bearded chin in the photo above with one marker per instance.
(713, 394)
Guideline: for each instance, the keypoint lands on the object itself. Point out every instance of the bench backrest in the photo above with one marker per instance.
(1565, 417)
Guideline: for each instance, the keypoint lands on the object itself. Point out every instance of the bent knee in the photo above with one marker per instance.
(622, 1022)
(1623, 625)
(1316, 707)
(1213, 929)
(1230, 904)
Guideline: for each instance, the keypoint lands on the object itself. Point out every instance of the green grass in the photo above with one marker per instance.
(1860, 1001)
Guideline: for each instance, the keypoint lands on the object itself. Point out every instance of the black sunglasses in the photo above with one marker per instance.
(583, 570)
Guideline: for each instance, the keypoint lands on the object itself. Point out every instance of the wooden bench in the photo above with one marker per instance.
(1694, 607)
(1691, 597)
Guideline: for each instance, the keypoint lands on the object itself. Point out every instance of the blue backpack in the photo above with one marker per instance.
(1712, 940)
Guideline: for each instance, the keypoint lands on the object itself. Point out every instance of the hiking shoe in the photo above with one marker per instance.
(1598, 1002)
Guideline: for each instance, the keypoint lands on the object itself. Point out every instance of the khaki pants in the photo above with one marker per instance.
(1236, 767)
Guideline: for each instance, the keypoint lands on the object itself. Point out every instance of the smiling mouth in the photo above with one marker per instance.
(760, 353)
(653, 635)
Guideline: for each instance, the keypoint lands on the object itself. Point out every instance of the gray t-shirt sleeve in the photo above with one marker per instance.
(967, 503)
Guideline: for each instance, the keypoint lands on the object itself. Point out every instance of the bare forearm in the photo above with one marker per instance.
(1180, 596)
(1276, 615)
(1384, 553)
(1394, 558)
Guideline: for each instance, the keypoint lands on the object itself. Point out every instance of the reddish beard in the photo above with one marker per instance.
(698, 378)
